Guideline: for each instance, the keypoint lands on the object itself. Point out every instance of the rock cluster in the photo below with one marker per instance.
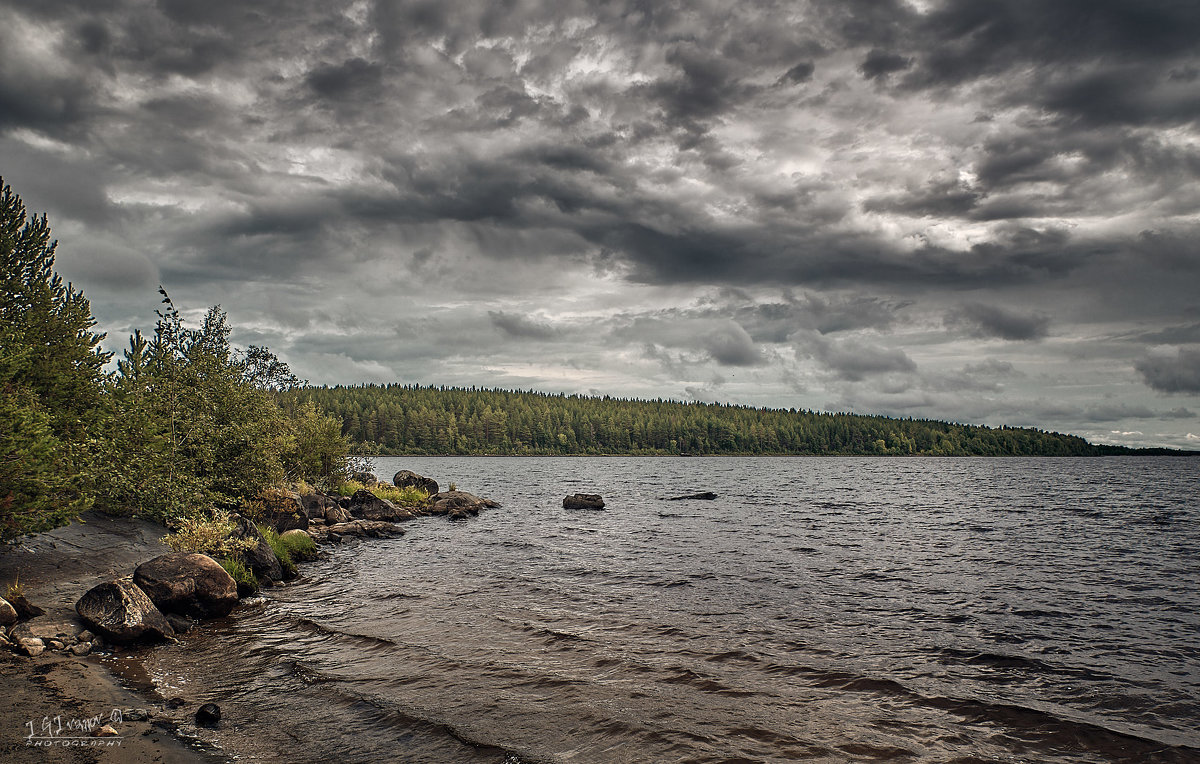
(164, 596)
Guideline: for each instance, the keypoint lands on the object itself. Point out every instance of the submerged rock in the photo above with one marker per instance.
(122, 612)
(359, 529)
(459, 504)
(188, 584)
(706, 496)
(405, 478)
(584, 501)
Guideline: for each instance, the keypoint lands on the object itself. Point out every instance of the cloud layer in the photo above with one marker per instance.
(982, 212)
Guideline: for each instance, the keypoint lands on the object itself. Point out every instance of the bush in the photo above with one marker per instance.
(237, 570)
(409, 495)
(208, 535)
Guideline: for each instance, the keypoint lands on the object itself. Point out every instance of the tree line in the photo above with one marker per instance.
(412, 419)
(184, 424)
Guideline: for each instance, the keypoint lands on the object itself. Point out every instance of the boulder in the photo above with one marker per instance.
(583, 501)
(122, 612)
(317, 504)
(365, 505)
(366, 478)
(188, 584)
(8, 613)
(705, 496)
(283, 510)
(260, 558)
(458, 504)
(405, 478)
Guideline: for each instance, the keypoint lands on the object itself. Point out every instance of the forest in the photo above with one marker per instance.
(411, 419)
(184, 423)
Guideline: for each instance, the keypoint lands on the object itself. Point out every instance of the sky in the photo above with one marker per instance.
(985, 212)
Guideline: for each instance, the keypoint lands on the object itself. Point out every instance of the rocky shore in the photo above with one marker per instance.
(97, 591)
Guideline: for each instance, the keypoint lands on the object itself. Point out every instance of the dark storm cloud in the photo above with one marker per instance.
(796, 192)
(992, 321)
(880, 63)
(522, 327)
(1175, 371)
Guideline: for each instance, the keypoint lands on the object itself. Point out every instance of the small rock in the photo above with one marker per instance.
(208, 715)
(584, 501)
(31, 646)
(86, 636)
(106, 731)
(24, 608)
(705, 496)
(173, 703)
(54, 644)
(81, 649)
(98, 643)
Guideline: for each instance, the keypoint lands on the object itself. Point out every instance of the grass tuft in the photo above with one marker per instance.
(408, 496)
(237, 570)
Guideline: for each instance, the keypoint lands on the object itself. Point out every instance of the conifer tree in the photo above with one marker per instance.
(50, 378)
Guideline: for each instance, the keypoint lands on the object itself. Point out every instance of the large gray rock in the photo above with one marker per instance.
(365, 505)
(122, 612)
(583, 501)
(188, 584)
(405, 478)
(260, 558)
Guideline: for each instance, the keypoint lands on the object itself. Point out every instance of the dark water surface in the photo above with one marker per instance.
(949, 610)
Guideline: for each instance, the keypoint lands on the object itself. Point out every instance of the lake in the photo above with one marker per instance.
(819, 609)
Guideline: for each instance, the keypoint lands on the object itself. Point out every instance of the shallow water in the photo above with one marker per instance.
(819, 609)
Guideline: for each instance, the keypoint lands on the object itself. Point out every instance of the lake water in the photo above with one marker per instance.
(820, 609)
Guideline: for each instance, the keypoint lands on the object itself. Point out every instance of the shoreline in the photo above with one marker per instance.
(61, 700)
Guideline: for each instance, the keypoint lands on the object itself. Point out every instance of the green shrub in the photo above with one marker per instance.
(245, 578)
(208, 535)
(409, 495)
(300, 547)
(279, 547)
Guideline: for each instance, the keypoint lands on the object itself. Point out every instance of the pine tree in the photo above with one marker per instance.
(50, 378)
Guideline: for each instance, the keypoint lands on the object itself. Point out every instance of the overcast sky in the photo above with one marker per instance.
(978, 211)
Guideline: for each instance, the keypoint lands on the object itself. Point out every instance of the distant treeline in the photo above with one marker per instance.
(411, 420)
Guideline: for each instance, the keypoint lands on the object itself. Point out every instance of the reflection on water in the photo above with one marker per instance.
(819, 609)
